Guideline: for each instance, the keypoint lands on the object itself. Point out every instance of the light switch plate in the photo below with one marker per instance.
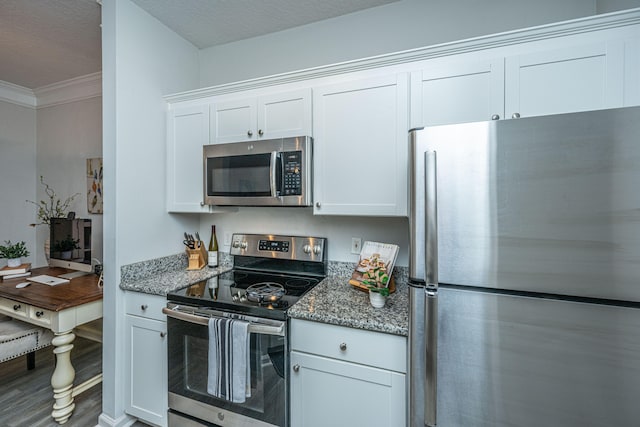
(356, 245)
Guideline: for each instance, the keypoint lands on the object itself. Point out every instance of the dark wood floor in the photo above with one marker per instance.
(26, 397)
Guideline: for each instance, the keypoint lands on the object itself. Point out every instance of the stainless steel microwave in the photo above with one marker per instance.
(272, 172)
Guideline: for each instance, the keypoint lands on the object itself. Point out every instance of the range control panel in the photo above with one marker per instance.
(273, 245)
(283, 247)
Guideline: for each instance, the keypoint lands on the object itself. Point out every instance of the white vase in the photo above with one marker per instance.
(47, 249)
(13, 262)
(377, 300)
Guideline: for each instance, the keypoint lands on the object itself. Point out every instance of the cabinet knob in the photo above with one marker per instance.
(39, 313)
(16, 307)
(515, 116)
(249, 133)
(163, 334)
(343, 346)
(260, 132)
(296, 368)
(201, 203)
(318, 204)
(144, 307)
(495, 117)
(221, 416)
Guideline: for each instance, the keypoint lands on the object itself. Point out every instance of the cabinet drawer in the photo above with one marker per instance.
(41, 315)
(354, 345)
(145, 305)
(14, 308)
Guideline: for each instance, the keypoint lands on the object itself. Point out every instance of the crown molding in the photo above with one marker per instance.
(72, 90)
(542, 32)
(17, 95)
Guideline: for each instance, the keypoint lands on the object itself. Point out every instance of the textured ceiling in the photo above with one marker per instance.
(207, 23)
(48, 41)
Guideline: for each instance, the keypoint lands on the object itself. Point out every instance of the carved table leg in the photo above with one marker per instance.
(62, 379)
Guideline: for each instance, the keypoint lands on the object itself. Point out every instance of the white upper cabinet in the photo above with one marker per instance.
(360, 147)
(187, 132)
(233, 121)
(579, 78)
(269, 116)
(571, 79)
(456, 93)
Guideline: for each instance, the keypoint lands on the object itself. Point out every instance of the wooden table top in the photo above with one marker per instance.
(78, 291)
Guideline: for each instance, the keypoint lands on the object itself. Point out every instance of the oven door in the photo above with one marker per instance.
(188, 347)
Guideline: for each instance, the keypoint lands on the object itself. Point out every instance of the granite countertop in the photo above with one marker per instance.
(332, 301)
(163, 275)
(335, 301)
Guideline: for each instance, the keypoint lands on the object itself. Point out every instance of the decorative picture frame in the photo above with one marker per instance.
(94, 186)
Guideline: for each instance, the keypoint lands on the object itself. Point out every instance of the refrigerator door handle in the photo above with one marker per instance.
(431, 289)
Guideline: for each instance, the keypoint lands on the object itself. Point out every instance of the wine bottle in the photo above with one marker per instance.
(213, 248)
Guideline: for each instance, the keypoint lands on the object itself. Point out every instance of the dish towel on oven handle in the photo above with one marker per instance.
(229, 370)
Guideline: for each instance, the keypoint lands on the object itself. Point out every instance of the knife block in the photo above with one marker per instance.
(197, 257)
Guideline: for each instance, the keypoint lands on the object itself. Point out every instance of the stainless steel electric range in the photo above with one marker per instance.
(270, 273)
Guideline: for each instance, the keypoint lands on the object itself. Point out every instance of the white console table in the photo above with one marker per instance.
(60, 308)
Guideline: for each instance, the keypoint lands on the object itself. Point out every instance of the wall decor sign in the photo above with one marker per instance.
(94, 185)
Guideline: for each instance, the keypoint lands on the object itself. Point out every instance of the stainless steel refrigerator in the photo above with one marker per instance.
(525, 272)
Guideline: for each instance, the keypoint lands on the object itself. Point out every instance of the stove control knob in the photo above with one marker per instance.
(236, 244)
(306, 249)
(317, 249)
(243, 298)
(235, 297)
(243, 245)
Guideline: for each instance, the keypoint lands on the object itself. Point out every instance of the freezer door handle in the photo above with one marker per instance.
(431, 369)
(431, 289)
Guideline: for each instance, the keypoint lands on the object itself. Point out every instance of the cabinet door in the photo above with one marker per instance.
(360, 147)
(187, 132)
(233, 121)
(566, 80)
(284, 114)
(146, 392)
(457, 93)
(328, 392)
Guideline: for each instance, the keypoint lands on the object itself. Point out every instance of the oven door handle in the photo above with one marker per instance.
(254, 328)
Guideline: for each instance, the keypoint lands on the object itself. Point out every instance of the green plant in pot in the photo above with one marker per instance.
(13, 252)
(377, 280)
(66, 246)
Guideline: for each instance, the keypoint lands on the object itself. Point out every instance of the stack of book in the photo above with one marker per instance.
(22, 270)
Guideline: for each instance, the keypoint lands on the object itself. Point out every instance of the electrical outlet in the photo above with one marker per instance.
(356, 245)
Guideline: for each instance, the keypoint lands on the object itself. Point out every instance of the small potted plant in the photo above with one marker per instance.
(66, 246)
(13, 252)
(377, 280)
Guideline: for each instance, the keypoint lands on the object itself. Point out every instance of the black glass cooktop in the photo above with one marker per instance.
(260, 294)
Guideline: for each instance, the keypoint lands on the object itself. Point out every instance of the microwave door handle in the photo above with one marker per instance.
(272, 173)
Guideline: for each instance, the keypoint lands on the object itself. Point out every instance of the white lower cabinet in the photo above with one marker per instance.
(146, 364)
(346, 377)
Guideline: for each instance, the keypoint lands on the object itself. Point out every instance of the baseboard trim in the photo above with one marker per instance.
(124, 420)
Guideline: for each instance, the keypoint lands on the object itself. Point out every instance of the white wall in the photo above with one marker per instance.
(302, 222)
(69, 134)
(142, 61)
(17, 175)
(403, 25)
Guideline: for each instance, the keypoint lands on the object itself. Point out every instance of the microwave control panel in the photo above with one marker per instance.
(292, 178)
